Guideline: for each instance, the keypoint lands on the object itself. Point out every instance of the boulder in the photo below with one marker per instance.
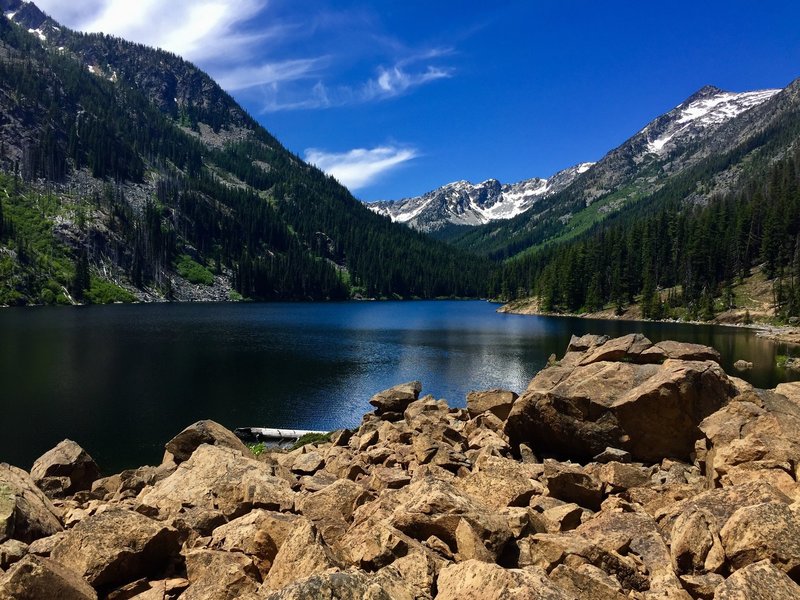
(36, 578)
(757, 437)
(12, 551)
(418, 570)
(331, 509)
(143, 589)
(573, 484)
(476, 580)
(684, 351)
(587, 582)
(208, 432)
(742, 365)
(613, 455)
(433, 507)
(117, 546)
(303, 554)
(500, 482)
(339, 585)
(258, 534)
(653, 411)
(26, 514)
(393, 402)
(308, 463)
(64, 470)
(216, 477)
(615, 537)
(497, 402)
(695, 546)
(718, 504)
(702, 586)
(619, 477)
(759, 581)
(215, 575)
(768, 531)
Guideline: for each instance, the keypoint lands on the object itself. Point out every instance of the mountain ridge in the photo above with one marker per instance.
(466, 203)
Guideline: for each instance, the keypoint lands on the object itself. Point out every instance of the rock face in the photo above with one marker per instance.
(217, 478)
(627, 470)
(624, 393)
(117, 546)
(35, 578)
(65, 469)
(26, 514)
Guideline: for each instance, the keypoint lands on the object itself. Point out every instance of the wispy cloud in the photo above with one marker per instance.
(361, 167)
(395, 81)
(284, 59)
(242, 78)
(389, 82)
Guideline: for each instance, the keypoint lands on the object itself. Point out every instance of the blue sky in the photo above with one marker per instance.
(399, 97)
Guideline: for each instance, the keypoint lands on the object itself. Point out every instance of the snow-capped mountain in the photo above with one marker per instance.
(465, 203)
(707, 108)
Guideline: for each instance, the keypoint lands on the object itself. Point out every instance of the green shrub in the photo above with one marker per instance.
(193, 271)
(105, 292)
(257, 449)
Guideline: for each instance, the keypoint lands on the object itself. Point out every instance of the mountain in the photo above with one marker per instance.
(716, 227)
(127, 173)
(465, 203)
(709, 123)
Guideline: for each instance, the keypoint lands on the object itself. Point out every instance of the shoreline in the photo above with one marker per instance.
(785, 334)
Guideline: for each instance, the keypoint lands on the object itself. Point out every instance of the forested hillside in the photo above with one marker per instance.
(157, 185)
(678, 259)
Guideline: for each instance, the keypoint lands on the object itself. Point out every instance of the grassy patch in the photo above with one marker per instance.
(311, 438)
(193, 271)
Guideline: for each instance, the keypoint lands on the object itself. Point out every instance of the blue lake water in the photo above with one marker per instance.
(122, 380)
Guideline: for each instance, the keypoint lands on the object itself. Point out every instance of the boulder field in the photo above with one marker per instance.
(626, 470)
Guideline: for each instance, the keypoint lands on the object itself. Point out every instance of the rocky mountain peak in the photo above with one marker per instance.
(466, 203)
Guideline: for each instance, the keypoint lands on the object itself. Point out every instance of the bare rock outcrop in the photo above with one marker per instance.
(624, 393)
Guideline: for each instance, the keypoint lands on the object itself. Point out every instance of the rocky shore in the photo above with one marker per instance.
(626, 470)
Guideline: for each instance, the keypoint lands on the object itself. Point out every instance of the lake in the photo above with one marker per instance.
(122, 380)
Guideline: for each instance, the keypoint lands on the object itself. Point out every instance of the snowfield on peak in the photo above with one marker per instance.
(465, 203)
(709, 108)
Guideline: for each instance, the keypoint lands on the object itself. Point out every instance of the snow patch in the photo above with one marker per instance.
(42, 37)
(704, 113)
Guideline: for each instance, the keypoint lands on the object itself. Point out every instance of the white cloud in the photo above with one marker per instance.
(230, 40)
(395, 80)
(361, 167)
(242, 78)
(195, 29)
